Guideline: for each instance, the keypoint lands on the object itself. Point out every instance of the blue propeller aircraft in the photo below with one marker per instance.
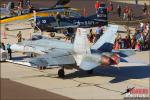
(72, 19)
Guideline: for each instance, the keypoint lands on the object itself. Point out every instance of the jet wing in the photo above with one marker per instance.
(86, 65)
(89, 62)
(53, 57)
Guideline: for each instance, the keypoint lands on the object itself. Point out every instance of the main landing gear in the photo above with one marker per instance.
(52, 34)
(90, 71)
(61, 73)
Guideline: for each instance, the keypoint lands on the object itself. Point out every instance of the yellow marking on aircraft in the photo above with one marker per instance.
(30, 15)
(21, 17)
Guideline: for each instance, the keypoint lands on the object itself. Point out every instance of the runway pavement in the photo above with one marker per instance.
(11, 90)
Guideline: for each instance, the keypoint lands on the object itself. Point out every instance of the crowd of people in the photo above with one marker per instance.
(94, 36)
(128, 12)
(123, 12)
(140, 40)
(17, 8)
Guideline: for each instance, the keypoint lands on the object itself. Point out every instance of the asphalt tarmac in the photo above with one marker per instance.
(11, 90)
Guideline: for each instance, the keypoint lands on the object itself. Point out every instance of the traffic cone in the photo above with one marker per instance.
(30, 36)
(4, 35)
(84, 12)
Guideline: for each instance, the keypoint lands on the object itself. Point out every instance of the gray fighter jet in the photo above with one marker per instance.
(80, 53)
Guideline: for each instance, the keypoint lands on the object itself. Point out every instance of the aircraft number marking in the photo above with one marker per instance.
(44, 21)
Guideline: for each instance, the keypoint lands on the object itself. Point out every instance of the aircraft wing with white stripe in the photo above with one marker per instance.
(53, 57)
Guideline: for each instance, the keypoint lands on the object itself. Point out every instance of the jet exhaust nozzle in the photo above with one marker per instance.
(110, 59)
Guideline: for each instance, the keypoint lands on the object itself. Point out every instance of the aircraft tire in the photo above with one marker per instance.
(52, 34)
(61, 73)
(90, 71)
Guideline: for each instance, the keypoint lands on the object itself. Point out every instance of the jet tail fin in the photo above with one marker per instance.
(106, 41)
(81, 44)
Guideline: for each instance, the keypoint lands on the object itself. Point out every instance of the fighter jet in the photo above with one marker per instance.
(78, 55)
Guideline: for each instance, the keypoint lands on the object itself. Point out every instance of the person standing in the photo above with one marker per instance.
(118, 42)
(19, 37)
(12, 5)
(126, 10)
(145, 9)
(58, 19)
(111, 6)
(19, 9)
(147, 40)
(133, 42)
(91, 36)
(27, 3)
(9, 51)
(136, 2)
(119, 10)
(21, 3)
(97, 5)
(130, 14)
(3, 46)
(31, 8)
(98, 33)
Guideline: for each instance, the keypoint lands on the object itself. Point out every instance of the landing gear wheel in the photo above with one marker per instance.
(61, 73)
(7, 29)
(52, 34)
(90, 71)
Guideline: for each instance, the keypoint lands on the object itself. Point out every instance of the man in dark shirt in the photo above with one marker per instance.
(9, 51)
(119, 10)
(58, 18)
(145, 9)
